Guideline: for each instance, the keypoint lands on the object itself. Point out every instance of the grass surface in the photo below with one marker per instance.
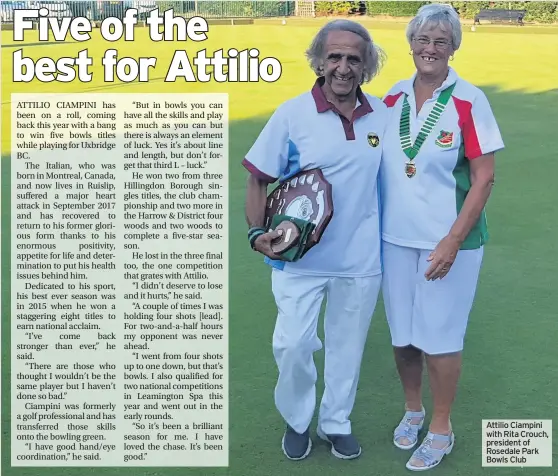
(510, 359)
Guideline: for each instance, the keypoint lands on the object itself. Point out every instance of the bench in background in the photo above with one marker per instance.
(494, 15)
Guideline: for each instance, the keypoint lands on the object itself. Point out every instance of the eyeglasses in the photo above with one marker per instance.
(438, 44)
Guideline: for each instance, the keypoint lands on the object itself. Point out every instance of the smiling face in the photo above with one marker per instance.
(432, 49)
(343, 63)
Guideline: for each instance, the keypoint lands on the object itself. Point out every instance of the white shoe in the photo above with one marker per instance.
(431, 457)
(407, 430)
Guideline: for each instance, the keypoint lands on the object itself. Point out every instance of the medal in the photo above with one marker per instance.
(410, 169)
(411, 150)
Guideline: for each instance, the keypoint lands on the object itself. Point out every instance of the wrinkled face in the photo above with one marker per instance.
(432, 49)
(343, 62)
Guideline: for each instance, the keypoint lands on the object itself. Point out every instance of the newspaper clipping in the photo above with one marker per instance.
(271, 237)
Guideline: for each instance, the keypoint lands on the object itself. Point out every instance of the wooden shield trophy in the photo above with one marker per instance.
(301, 206)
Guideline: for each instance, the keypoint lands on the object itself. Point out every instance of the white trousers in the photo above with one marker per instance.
(430, 315)
(350, 305)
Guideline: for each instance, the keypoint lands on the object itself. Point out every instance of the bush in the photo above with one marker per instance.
(242, 8)
(468, 10)
(394, 9)
(540, 12)
(335, 8)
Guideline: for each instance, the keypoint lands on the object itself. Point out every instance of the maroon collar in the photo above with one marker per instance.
(323, 105)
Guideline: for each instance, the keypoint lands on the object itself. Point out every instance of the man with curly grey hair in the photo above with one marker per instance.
(436, 174)
(339, 129)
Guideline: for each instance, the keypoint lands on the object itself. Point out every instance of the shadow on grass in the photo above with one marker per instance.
(509, 366)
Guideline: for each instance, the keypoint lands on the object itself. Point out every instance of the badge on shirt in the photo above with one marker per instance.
(373, 139)
(444, 139)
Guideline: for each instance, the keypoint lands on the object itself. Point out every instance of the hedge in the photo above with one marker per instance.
(540, 12)
(394, 9)
(228, 9)
(335, 8)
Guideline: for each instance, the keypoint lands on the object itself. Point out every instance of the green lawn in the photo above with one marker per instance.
(510, 360)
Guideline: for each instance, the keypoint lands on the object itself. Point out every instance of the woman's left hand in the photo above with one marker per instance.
(442, 258)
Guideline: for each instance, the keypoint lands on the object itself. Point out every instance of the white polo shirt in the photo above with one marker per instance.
(419, 211)
(307, 132)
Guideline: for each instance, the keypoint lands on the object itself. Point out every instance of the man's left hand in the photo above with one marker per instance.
(442, 258)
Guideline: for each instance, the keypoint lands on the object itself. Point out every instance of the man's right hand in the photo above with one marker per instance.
(263, 244)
